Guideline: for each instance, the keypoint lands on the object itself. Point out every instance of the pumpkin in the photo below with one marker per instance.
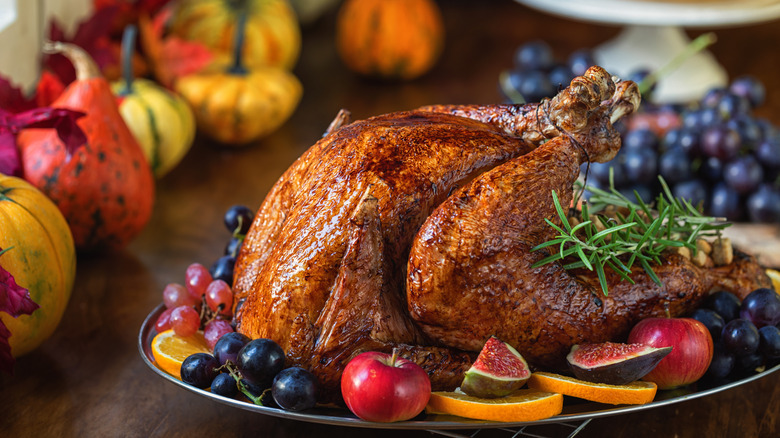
(273, 36)
(237, 105)
(160, 120)
(40, 254)
(105, 188)
(389, 39)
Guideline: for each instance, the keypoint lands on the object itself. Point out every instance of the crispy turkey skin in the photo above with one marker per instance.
(326, 269)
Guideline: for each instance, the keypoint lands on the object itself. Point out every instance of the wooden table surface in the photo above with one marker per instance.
(89, 379)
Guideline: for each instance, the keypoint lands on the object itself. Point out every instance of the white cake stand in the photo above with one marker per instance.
(653, 34)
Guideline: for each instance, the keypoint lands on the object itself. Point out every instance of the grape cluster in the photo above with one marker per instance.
(746, 333)
(238, 219)
(202, 303)
(713, 152)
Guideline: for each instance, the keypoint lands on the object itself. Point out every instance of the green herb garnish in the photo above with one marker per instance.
(635, 234)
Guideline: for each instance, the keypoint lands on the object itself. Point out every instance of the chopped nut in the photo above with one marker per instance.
(683, 251)
(722, 251)
(701, 259)
(703, 246)
(573, 221)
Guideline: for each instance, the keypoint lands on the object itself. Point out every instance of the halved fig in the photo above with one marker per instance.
(498, 371)
(614, 363)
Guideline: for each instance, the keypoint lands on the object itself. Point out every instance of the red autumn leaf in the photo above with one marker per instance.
(171, 56)
(48, 90)
(10, 162)
(92, 35)
(12, 99)
(14, 300)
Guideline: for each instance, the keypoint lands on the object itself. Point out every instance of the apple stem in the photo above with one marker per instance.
(394, 357)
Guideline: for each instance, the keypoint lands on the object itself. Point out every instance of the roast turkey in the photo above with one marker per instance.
(323, 269)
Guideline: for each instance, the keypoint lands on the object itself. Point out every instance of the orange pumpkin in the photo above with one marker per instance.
(391, 39)
(39, 253)
(105, 189)
(273, 36)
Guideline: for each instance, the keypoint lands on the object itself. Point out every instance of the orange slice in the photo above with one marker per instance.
(170, 350)
(634, 393)
(522, 405)
(774, 275)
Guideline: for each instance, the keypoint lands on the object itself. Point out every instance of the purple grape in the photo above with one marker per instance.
(534, 55)
(225, 385)
(199, 370)
(764, 205)
(725, 202)
(769, 344)
(694, 191)
(675, 166)
(711, 169)
(711, 319)
(533, 85)
(761, 307)
(747, 128)
(740, 337)
(684, 138)
(640, 139)
(722, 363)
(720, 142)
(732, 106)
(222, 269)
(712, 97)
(744, 174)
(750, 363)
(238, 219)
(580, 61)
(601, 171)
(560, 77)
(641, 165)
(726, 304)
(228, 346)
(768, 154)
(749, 88)
(295, 389)
(260, 360)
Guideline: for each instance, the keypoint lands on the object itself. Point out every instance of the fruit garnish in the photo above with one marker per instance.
(634, 393)
(523, 405)
(774, 275)
(614, 363)
(169, 350)
(498, 371)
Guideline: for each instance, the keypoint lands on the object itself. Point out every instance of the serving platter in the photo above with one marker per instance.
(574, 411)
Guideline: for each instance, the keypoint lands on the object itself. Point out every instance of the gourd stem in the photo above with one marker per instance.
(128, 46)
(238, 46)
(85, 66)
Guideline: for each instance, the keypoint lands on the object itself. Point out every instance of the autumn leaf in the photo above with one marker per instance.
(171, 57)
(15, 301)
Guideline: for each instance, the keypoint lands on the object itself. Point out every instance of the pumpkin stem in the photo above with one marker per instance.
(238, 45)
(85, 66)
(128, 46)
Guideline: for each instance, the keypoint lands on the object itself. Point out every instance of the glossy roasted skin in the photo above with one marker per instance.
(322, 270)
(471, 273)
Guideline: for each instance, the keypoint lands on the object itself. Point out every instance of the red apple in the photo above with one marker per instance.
(692, 349)
(384, 388)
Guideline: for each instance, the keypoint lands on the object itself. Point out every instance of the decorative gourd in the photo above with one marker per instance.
(240, 105)
(40, 254)
(105, 189)
(273, 33)
(160, 120)
(389, 39)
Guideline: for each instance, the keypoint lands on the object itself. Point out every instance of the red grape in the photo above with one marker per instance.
(185, 321)
(761, 307)
(219, 297)
(175, 295)
(197, 279)
(215, 330)
(163, 321)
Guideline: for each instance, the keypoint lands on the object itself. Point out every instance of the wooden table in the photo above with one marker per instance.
(89, 379)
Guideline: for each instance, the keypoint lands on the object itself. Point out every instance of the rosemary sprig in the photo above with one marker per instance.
(636, 234)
